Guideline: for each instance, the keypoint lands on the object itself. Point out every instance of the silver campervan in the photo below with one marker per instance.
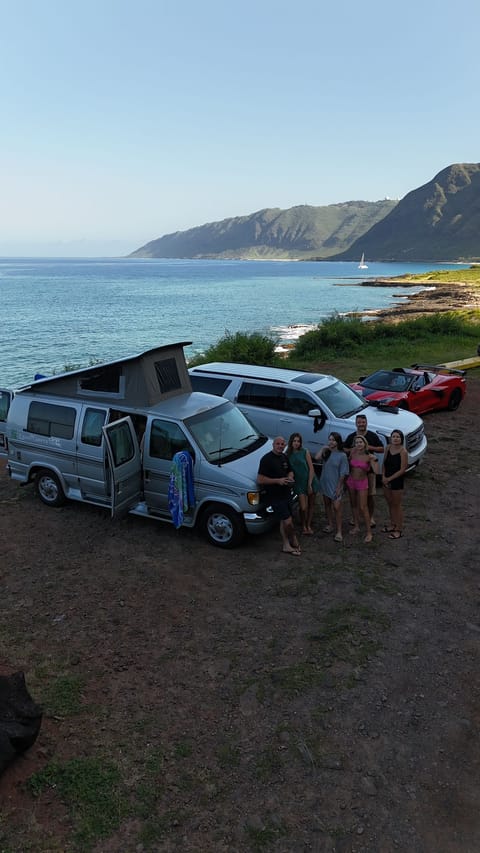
(108, 435)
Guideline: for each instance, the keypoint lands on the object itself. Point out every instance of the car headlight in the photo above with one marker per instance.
(253, 498)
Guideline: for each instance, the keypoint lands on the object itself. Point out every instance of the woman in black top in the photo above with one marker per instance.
(395, 463)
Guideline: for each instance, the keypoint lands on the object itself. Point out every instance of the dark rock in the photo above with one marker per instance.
(20, 718)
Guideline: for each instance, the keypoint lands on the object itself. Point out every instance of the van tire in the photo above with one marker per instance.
(222, 526)
(49, 488)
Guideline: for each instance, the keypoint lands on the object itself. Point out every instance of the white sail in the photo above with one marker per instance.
(362, 265)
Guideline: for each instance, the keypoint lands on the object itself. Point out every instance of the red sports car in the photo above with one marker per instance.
(420, 388)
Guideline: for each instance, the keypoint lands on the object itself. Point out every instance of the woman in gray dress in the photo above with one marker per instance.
(335, 471)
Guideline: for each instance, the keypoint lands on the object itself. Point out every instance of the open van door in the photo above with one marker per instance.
(5, 400)
(125, 463)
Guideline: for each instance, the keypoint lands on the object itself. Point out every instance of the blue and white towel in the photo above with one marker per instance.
(181, 492)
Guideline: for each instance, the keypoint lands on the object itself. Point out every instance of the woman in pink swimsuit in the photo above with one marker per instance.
(361, 462)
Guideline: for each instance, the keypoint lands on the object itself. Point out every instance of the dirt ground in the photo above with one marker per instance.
(255, 701)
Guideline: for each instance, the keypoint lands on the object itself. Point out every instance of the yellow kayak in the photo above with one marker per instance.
(463, 363)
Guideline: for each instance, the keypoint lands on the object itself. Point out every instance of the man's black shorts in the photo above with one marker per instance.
(282, 509)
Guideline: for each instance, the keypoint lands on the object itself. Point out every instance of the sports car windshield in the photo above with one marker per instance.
(388, 380)
(224, 434)
(341, 400)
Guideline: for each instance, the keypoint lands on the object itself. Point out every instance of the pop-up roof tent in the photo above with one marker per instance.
(139, 380)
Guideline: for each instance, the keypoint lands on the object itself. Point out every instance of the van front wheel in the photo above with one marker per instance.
(49, 488)
(222, 526)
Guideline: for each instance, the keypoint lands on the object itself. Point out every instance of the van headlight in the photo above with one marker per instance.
(253, 498)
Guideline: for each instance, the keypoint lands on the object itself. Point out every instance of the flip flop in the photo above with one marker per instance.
(293, 553)
(395, 534)
(387, 528)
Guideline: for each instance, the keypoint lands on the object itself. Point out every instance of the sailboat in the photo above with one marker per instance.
(362, 265)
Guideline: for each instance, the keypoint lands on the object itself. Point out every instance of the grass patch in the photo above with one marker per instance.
(373, 578)
(160, 826)
(268, 764)
(228, 756)
(348, 633)
(62, 697)
(91, 790)
(471, 275)
(149, 788)
(261, 838)
(361, 346)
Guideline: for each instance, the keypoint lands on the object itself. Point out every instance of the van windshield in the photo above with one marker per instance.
(341, 400)
(224, 434)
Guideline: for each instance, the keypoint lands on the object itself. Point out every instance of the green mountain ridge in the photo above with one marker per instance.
(296, 232)
(439, 221)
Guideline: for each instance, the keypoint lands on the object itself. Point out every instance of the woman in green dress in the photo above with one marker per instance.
(306, 483)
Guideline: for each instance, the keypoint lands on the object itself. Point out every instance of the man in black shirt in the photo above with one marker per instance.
(374, 446)
(276, 476)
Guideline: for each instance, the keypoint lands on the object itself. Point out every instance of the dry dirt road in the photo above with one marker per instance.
(252, 701)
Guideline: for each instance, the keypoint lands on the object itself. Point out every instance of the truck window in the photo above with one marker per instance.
(298, 403)
(92, 427)
(209, 384)
(264, 396)
(50, 419)
(166, 439)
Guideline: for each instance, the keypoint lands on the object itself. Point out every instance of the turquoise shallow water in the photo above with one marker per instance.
(58, 312)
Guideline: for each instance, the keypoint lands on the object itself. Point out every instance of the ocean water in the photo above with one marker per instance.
(59, 312)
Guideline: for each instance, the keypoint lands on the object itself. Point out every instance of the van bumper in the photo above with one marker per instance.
(255, 523)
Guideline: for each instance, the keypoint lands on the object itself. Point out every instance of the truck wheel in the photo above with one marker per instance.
(222, 526)
(455, 400)
(49, 489)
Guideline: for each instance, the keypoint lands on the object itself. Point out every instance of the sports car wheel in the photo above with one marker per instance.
(455, 400)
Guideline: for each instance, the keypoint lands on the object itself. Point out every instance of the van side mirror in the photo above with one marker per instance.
(319, 419)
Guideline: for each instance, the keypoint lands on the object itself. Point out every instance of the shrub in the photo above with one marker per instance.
(243, 347)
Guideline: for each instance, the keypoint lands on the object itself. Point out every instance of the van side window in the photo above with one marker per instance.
(50, 419)
(5, 398)
(265, 396)
(121, 443)
(166, 439)
(298, 403)
(92, 427)
(209, 384)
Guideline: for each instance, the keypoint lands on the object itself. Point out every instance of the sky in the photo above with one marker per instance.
(124, 120)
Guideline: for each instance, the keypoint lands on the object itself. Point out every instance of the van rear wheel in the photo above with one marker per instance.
(222, 526)
(49, 489)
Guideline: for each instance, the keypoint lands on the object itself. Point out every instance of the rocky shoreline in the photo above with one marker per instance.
(442, 297)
